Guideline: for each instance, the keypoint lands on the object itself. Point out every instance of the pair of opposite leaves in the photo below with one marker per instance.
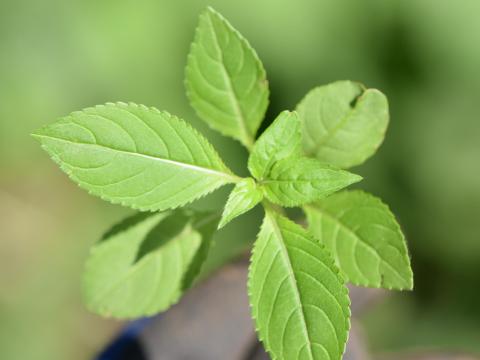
(150, 160)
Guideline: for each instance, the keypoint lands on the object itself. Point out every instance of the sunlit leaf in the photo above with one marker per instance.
(135, 156)
(281, 140)
(243, 197)
(364, 237)
(297, 181)
(343, 123)
(299, 301)
(226, 82)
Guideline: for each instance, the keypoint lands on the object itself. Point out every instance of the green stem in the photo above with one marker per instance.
(248, 142)
(270, 207)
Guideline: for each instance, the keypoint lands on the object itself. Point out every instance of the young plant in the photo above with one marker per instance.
(154, 162)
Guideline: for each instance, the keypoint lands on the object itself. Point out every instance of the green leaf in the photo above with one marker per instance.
(135, 156)
(286, 178)
(281, 140)
(243, 197)
(299, 301)
(298, 181)
(142, 265)
(225, 80)
(364, 237)
(343, 123)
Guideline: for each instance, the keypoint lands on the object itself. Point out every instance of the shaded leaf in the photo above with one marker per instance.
(243, 197)
(135, 156)
(204, 223)
(364, 237)
(143, 265)
(343, 123)
(225, 80)
(299, 301)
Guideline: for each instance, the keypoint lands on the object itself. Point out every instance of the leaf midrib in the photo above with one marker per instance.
(332, 132)
(293, 279)
(247, 138)
(227, 176)
(359, 239)
(273, 181)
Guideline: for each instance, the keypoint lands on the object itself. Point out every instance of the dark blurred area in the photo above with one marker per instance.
(57, 56)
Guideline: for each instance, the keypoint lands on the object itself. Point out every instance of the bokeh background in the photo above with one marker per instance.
(57, 56)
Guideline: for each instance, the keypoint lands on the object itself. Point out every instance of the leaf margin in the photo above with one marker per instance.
(273, 211)
(384, 207)
(39, 135)
(249, 139)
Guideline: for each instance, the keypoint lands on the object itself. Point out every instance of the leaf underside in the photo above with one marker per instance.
(343, 123)
(225, 80)
(299, 301)
(143, 267)
(135, 156)
(364, 237)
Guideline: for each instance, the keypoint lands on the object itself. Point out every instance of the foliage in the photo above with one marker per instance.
(152, 161)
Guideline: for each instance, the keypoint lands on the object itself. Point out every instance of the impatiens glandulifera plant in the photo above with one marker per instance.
(156, 163)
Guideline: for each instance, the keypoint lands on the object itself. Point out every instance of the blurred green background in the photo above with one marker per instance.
(57, 56)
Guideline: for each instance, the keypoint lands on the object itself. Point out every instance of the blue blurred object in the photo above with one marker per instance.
(127, 345)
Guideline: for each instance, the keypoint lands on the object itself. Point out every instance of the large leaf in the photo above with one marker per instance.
(299, 301)
(226, 82)
(243, 198)
(281, 140)
(142, 265)
(343, 123)
(135, 156)
(298, 181)
(364, 237)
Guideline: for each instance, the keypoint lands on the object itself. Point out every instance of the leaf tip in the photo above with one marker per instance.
(39, 135)
(222, 223)
(210, 11)
(410, 282)
(354, 178)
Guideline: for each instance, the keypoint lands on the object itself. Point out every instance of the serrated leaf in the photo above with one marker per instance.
(299, 301)
(143, 265)
(298, 181)
(243, 198)
(343, 123)
(135, 156)
(364, 237)
(281, 140)
(225, 80)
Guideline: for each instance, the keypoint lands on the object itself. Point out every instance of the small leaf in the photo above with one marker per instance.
(243, 197)
(364, 237)
(135, 156)
(142, 265)
(281, 140)
(286, 178)
(299, 301)
(298, 181)
(225, 80)
(343, 123)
